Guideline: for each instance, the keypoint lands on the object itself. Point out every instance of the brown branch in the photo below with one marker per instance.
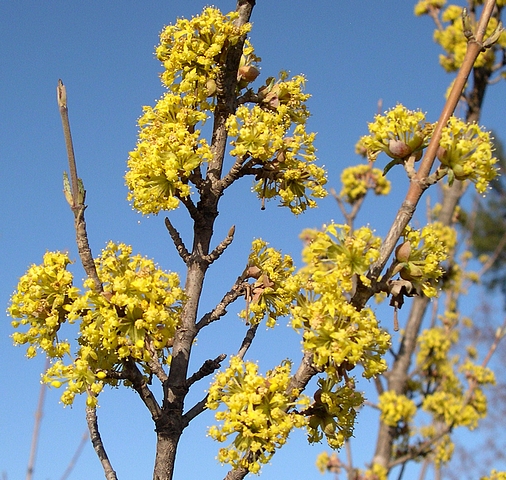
(140, 385)
(216, 253)
(248, 340)
(77, 206)
(178, 242)
(220, 310)
(208, 368)
(418, 184)
(96, 441)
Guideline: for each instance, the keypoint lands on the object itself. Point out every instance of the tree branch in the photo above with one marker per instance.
(140, 385)
(96, 441)
(208, 368)
(77, 206)
(220, 310)
(178, 242)
(216, 253)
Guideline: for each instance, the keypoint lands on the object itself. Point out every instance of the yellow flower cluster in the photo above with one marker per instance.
(495, 475)
(452, 408)
(274, 289)
(433, 347)
(79, 379)
(273, 134)
(421, 255)
(333, 413)
(449, 402)
(467, 151)
(328, 463)
(399, 133)
(454, 42)
(193, 51)
(477, 373)
(424, 6)
(444, 451)
(376, 472)
(42, 301)
(357, 180)
(169, 149)
(135, 316)
(256, 413)
(140, 304)
(334, 330)
(395, 408)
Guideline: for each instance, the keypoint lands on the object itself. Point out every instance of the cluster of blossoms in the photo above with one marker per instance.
(134, 317)
(420, 256)
(339, 335)
(333, 413)
(257, 412)
(272, 133)
(449, 402)
(274, 288)
(42, 300)
(467, 152)
(169, 148)
(424, 7)
(193, 51)
(357, 180)
(399, 133)
(452, 38)
(495, 475)
(395, 408)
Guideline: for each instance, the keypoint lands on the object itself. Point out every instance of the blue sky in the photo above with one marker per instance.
(352, 53)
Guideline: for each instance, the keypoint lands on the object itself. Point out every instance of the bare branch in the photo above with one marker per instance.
(208, 368)
(248, 340)
(77, 206)
(140, 385)
(216, 253)
(96, 440)
(220, 310)
(178, 242)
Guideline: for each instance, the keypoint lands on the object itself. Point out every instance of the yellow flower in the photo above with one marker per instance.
(256, 413)
(399, 133)
(467, 151)
(395, 408)
(423, 7)
(357, 180)
(42, 300)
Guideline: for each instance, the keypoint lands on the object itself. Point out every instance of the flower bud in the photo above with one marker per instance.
(211, 87)
(398, 149)
(403, 251)
(248, 73)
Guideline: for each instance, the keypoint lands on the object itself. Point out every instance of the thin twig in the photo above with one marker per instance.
(216, 253)
(248, 340)
(96, 440)
(36, 427)
(77, 454)
(207, 368)
(77, 206)
(178, 242)
(220, 310)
